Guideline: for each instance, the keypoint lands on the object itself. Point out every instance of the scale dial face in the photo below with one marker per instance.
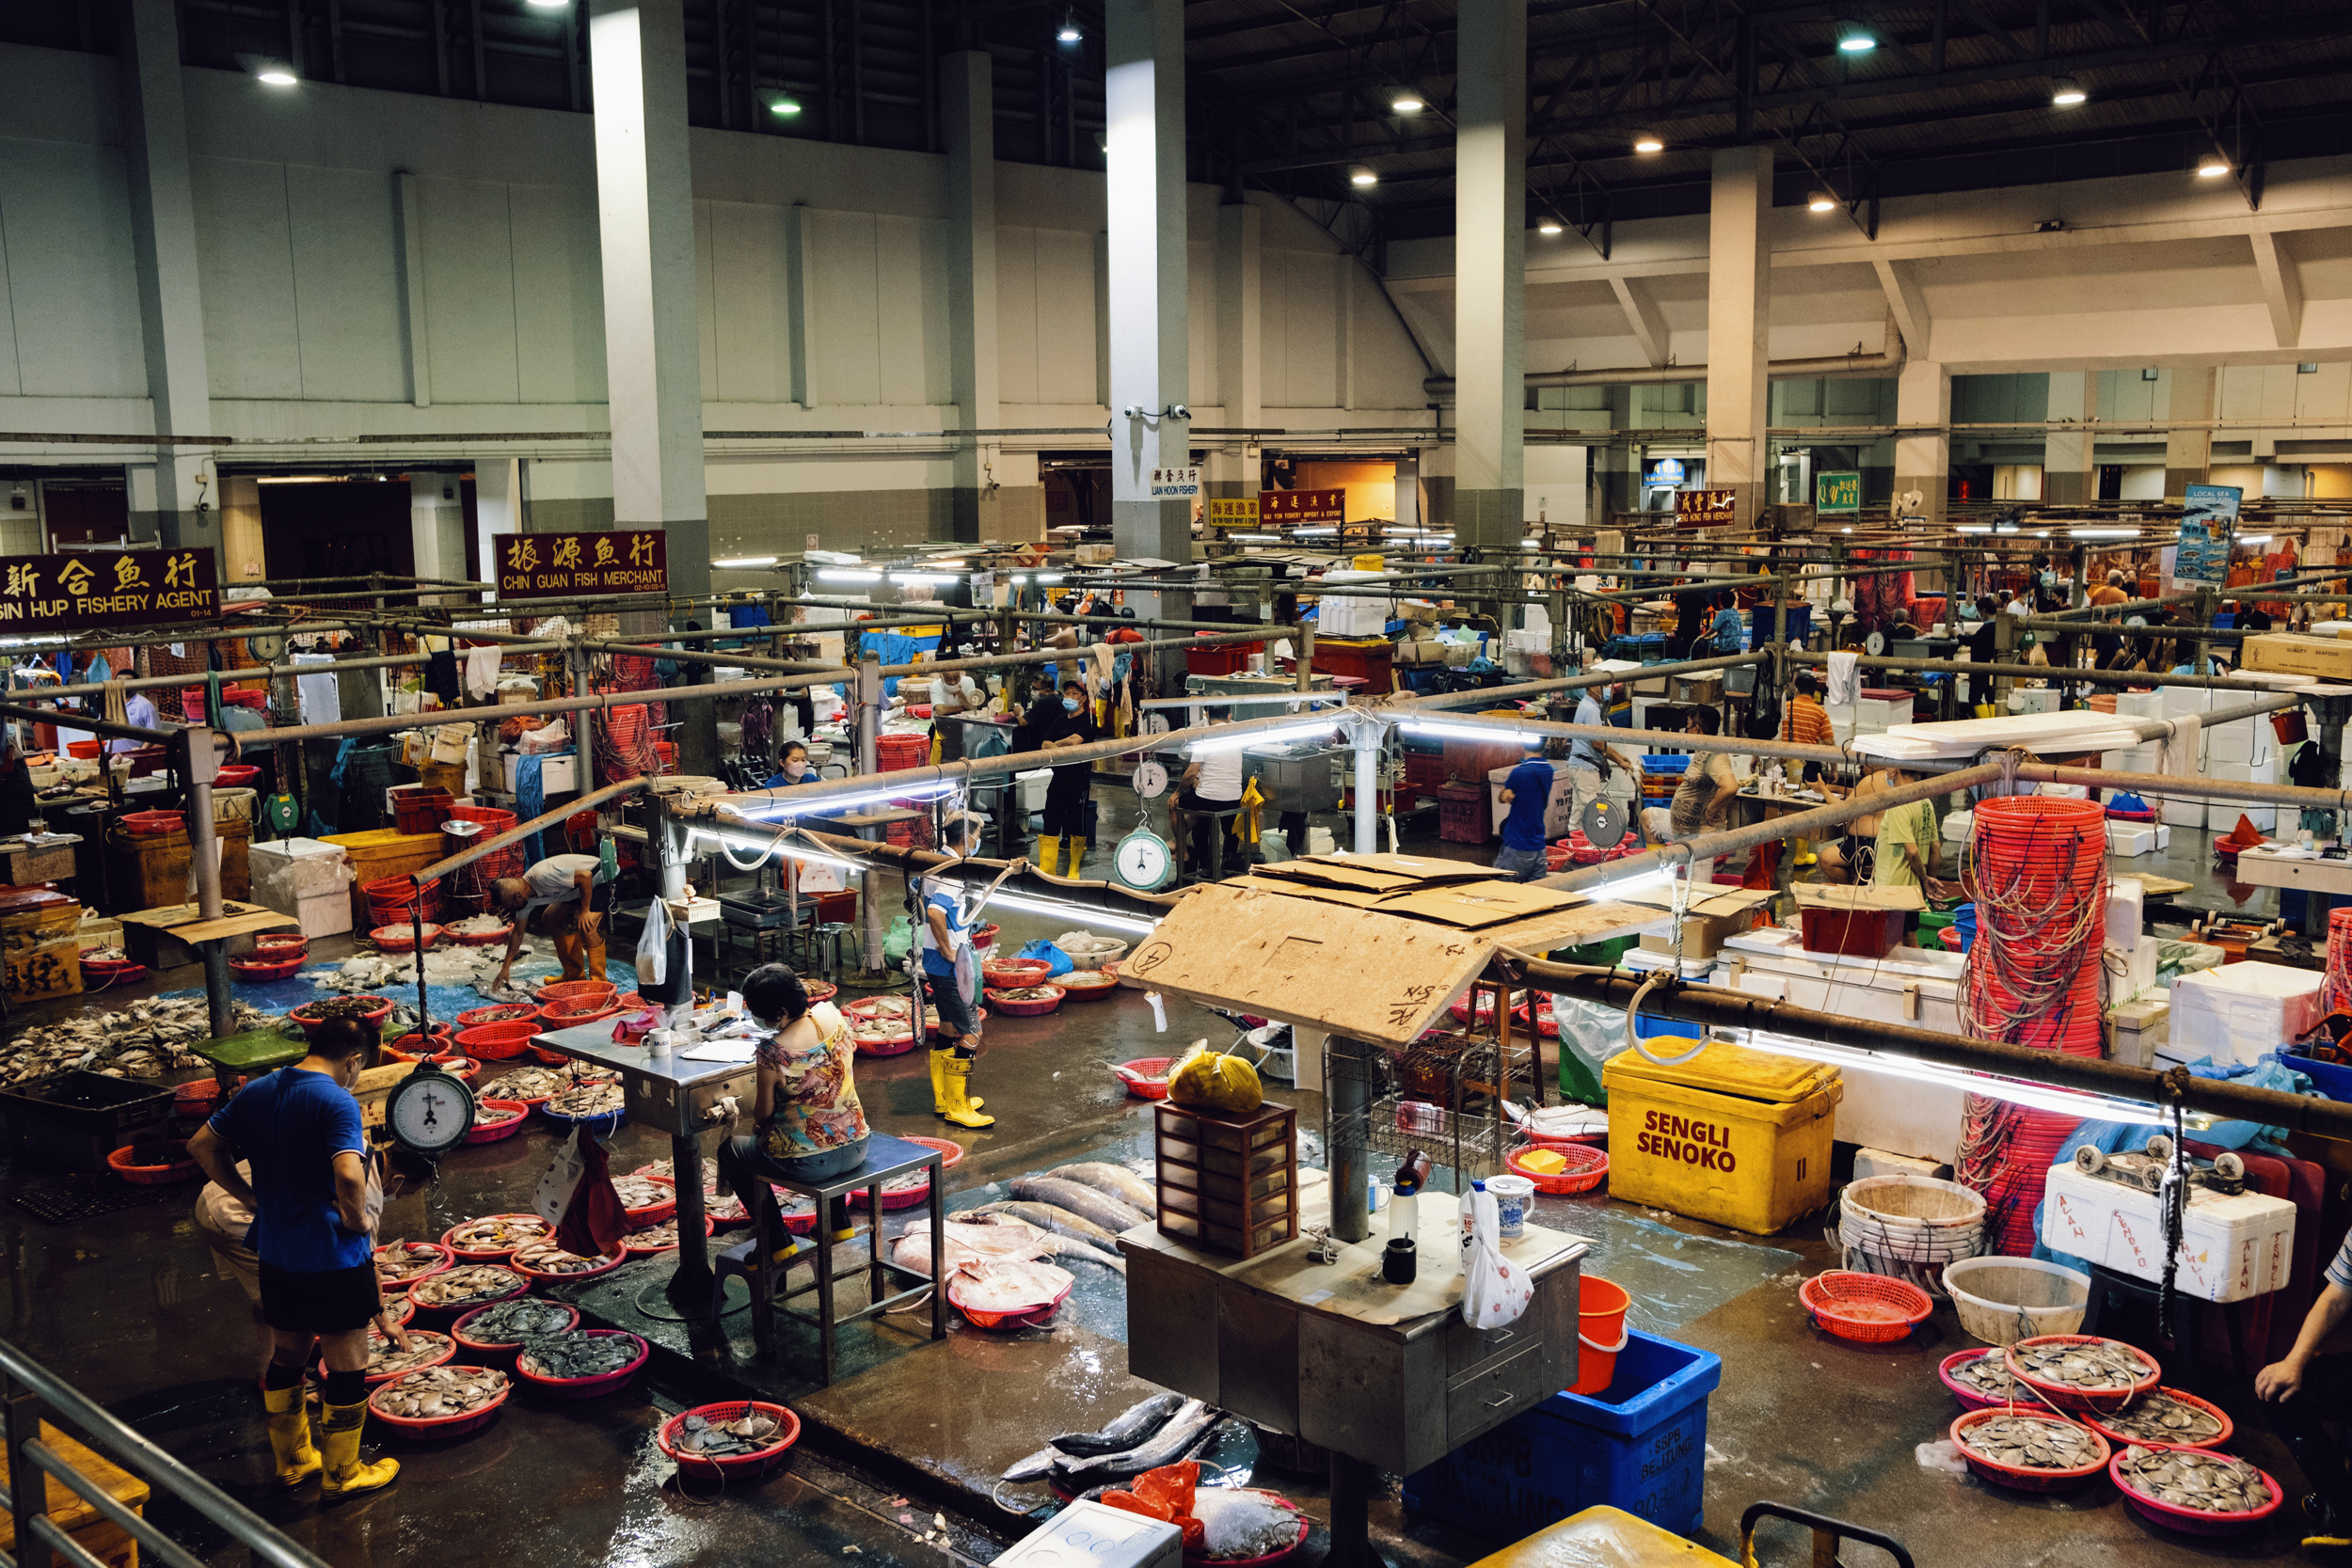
(1142, 862)
(267, 646)
(1156, 723)
(1875, 643)
(429, 1111)
(1151, 779)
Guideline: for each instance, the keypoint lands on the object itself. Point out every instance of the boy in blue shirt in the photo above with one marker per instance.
(1527, 792)
(944, 935)
(315, 1204)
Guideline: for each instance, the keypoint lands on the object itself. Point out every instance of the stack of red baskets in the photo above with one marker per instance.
(896, 754)
(393, 900)
(475, 877)
(2337, 991)
(2039, 875)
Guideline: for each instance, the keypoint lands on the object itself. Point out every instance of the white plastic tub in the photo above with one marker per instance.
(2003, 1300)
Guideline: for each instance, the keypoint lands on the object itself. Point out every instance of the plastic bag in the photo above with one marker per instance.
(1213, 1080)
(899, 941)
(1495, 1291)
(1051, 955)
(653, 945)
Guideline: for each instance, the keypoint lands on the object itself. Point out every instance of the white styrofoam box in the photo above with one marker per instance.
(2233, 742)
(1101, 1536)
(2041, 699)
(1877, 1162)
(2067, 791)
(2223, 815)
(2131, 838)
(2136, 759)
(1033, 786)
(2182, 813)
(2164, 837)
(1959, 826)
(2139, 704)
(2230, 1248)
(1882, 712)
(558, 775)
(2127, 904)
(1846, 713)
(1559, 807)
(2239, 1013)
(2131, 968)
(2179, 700)
(2137, 1030)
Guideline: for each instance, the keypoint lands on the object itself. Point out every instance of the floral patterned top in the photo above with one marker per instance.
(817, 1107)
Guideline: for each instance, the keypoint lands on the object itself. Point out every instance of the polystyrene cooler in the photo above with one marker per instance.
(2230, 1248)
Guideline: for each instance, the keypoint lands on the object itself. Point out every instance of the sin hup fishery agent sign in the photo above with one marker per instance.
(548, 565)
(107, 589)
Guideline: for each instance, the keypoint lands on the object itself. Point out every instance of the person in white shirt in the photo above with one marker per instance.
(576, 903)
(1211, 782)
(952, 695)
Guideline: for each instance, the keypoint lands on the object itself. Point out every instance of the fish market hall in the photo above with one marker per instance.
(949, 785)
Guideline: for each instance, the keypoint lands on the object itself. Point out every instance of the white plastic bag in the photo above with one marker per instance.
(653, 945)
(819, 877)
(561, 1179)
(1495, 1291)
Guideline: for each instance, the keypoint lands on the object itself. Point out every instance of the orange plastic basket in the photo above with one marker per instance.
(1587, 1167)
(1868, 1308)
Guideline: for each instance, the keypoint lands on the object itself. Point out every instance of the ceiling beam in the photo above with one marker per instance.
(1908, 305)
(1642, 315)
(2282, 288)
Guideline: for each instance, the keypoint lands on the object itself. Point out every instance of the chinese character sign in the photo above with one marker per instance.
(1282, 507)
(1705, 508)
(1176, 484)
(1232, 513)
(1838, 491)
(552, 565)
(105, 589)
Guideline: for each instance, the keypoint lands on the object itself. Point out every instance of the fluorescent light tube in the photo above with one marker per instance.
(1083, 913)
(1261, 737)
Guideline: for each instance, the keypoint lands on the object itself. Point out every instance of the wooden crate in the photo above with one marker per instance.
(1229, 1184)
(146, 871)
(90, 1529)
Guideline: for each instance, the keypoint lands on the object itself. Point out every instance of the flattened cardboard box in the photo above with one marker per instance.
(1827, 895)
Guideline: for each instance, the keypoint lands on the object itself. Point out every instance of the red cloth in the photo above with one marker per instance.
(593, 1224)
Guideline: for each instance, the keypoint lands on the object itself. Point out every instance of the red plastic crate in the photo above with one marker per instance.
(1425, 771)
(1220, 658)
(1856, 933)
(1462, 814)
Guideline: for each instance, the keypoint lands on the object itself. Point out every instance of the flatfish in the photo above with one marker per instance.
(2158, 1418)
(652, 1238)
(2030, 1442)
(439, 1391)
(385, 1358)
(2192, 1478)
(578, 1354)
(496, 1233)
(398, 1263)
(548, 1257)
(2095, 1366)
(589, 1100)
(470, 1285)
(638, 1192)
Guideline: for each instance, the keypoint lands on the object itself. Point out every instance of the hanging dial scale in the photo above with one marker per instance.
(429, 1111)
(1144, 860)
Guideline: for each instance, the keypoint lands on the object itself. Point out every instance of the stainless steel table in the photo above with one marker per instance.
(673, 1095)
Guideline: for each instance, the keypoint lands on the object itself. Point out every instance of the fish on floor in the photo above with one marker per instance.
(1130, 1426)
(1163, 1446)
(992, 1237)
(1061, 1222)
(1107, 1212)
(1111, 1180)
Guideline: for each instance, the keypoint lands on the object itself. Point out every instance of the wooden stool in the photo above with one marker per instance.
(1219, 820)
(886, 1159)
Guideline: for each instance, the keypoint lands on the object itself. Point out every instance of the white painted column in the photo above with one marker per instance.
(163, 245)
(1408, 490)
(1738, 325)
(1923, 396)
(498, 508)
(1239, 334)
(2069, 464)
(2188, 453)
(967, 109)
(1489, 251)
(1144, 106)
(436, 528)
(645, 212)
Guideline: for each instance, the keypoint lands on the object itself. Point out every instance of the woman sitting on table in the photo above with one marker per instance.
(806, 1122)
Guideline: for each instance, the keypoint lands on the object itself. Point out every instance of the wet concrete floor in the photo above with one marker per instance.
(130, 1307)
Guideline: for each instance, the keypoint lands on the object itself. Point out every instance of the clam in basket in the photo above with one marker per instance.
(2067, 1370)
(2032, 1478)
(2134, 1470)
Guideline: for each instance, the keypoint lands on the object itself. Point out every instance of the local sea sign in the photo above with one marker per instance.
(555, 566)
(105, 589)
(1705, 508)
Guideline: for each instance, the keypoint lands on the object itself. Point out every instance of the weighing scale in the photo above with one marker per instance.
(1605, 824)
(429, 1111)
(281, 810)
(1144, 860)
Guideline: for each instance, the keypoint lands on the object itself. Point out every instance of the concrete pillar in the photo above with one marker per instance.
(968, 108)
(1408, 490)
(436, 528)
(1490, 254)
(646, 215)
(1923, 396)
(1239, 354)
(162, 244)
(498, 508)
(1738, 325)
(2189, 452)
(2070, 473)
(242, 555)
(1143, 94)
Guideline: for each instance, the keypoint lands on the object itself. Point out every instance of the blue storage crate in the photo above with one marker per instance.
(1669, 762)
(2332, 1079)
(1640, 1446)
(1760, 625)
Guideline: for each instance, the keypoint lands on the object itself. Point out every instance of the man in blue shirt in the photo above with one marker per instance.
(946, 938)
(1731, 631)
(315, 1202)
(1527, 792)
(2310, 1388)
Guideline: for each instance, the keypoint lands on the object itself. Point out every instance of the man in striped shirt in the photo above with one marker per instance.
(1807, 723)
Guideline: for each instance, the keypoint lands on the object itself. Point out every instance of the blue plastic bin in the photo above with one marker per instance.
(1760, 625)
(1640, 1446)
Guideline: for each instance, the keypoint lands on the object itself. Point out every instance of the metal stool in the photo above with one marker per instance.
(885, 1157)
(1220, 822)
(828, 939)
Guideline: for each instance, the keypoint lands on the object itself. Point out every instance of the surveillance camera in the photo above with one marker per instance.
(1179, 411)
(1132, 411)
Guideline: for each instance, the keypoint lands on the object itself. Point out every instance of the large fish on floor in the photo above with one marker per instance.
(1163, 1446)
(991, 1237)
(1111, 1180)
(1102, 1210)
(1061, 1222)
(1129, 1427)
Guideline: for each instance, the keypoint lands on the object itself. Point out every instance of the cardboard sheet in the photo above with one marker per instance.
(1479, 905)
(1352, 1288)
(1827, 895)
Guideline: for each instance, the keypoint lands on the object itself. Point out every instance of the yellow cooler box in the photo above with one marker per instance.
(1735, 1136)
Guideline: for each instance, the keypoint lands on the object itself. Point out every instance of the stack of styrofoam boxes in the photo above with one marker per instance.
(1843, 722)
(2178, 702)
(1337, 615)
(1957, 826)
(2241, 753)
(1876, 715)
(2129, 944)
(2033, 699)
(2239, 1013)
(2137, 838)
(2232, 1247)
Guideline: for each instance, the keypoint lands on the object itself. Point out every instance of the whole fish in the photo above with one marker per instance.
(1129, 1427)
(1034, 1466)
(998, 1236)
(1111, 1180)
(1045, 1216)
(1162, 1448)
(1085, 1202)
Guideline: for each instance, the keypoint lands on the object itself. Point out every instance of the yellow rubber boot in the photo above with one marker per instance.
(940, 1104)
(1049, 854)
(962, 1110)
(347, 1474)
(1077, 854)
(290, 1436)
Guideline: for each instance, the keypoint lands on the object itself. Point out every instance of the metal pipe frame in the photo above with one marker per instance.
(2069, 673)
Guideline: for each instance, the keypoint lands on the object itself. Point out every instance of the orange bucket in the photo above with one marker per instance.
(1601, 1308)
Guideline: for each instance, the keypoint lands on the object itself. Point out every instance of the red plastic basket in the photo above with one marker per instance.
(2121, 1442)
(2066, 1397)
(257, 968)
(489, 1254)
(1037, 1007)
(1133, 1076)
(571, 1015)
(480, 939)
(1087, 985)
(494, 1132)
(2192, 1521)
(2017, 1478)
(1868, 1308)
(151, 824)
(154, 1165)
(376, 1336)
(1587, 1167)
(504, 1012)
(556, 991)
(436, 1426)
(374, 1016)
(1016, 971)
(497, 1042)
(420, 811)
(403, 939)
(1024, 1317)
(889, 1045)
(1969, 1399)
(432, 1314)
(951, 1155)
(293, 941)
(395, 1286)
(735, 1467)
(588, 1387)
(112, 970)
(236, 775)
(500, 1347)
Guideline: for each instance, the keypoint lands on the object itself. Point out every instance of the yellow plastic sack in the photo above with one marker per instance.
(1212, 1081)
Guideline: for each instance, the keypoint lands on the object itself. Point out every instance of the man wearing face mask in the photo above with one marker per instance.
(1057, 722)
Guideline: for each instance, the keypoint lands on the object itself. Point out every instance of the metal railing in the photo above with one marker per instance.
(27, 1390)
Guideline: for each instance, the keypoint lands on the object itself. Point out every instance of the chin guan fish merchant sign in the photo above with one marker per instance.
(548, 566)
(102, 589)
